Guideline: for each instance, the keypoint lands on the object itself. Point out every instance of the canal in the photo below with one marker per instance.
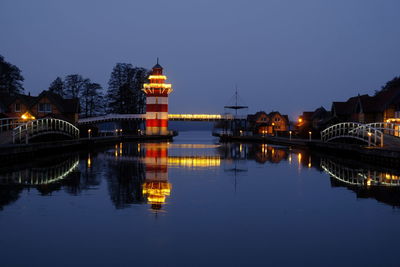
(195, 202)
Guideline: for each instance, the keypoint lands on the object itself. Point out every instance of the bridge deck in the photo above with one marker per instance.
(171, 117)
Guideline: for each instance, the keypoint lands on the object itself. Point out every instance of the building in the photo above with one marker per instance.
(46, 104)
(157, 92)
(384, 106)
(313, 121)
(273, 123)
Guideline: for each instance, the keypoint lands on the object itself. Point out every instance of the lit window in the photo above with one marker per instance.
(17, 107)
(45, 107)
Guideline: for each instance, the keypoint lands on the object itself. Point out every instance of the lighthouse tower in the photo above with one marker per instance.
(157, 92)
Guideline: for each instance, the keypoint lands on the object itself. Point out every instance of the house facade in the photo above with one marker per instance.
(273, 123)
(46, 104)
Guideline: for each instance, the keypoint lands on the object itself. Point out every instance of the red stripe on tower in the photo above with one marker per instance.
(157, 92)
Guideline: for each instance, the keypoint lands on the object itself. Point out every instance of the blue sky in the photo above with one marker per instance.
(289, 56)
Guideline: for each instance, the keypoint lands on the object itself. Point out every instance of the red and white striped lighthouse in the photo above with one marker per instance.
(157, 92)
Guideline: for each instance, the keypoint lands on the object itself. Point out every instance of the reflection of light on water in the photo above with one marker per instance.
(89, 161)
(194, 161)
(264, 148)
(240, 148)
(42, 176)
(290, 158)
(120, 148)
(309, 162)
(299, 161)
(157, 191)
(358, 176)
(192, 146)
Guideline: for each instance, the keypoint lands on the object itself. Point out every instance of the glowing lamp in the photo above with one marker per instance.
(27, 116)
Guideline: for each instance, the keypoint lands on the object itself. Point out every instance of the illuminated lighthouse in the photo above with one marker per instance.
(157, 92)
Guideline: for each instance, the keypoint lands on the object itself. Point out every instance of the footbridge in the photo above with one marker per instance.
(171, 117)
(49, 126)
(373, 134)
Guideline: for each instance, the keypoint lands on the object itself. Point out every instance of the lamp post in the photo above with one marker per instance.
(89, 133)
(290, 135)
(309, 134)
(369, 138)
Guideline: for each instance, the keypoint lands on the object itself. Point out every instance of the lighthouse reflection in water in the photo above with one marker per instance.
(156, 186)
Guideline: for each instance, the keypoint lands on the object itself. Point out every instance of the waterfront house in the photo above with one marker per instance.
(383, 106)
(273, 123)
(46, 104)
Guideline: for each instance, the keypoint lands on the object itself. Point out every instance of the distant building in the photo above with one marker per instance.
(46, 104)
(273, 123)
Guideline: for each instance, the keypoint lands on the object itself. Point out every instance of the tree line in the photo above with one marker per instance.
(123, 95)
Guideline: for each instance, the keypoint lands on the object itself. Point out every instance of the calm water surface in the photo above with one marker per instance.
(195, 202)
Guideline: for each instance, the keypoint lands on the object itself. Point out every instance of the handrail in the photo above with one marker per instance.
(387, 128)
(7, 124)
(354, 130)
(42, 126)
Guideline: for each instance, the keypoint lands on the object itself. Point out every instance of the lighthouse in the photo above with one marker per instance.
(157, 92)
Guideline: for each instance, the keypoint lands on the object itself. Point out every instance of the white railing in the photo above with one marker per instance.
(34, 128)
(172, 117)
(353, 130)
(8, 124)
(359, 177)
(112, 117)
(386, 127)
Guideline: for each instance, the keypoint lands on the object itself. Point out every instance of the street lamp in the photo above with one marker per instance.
(89, 133)
(369, 138)
(290, 135)
(310, 133)
(273, 128)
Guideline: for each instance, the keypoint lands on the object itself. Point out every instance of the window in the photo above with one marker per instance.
(277, 119)
(45, 107)
(17, 107)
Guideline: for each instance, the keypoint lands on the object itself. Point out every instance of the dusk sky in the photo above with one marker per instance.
(289, 56)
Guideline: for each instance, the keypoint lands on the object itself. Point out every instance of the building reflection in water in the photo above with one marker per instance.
(156, 186)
